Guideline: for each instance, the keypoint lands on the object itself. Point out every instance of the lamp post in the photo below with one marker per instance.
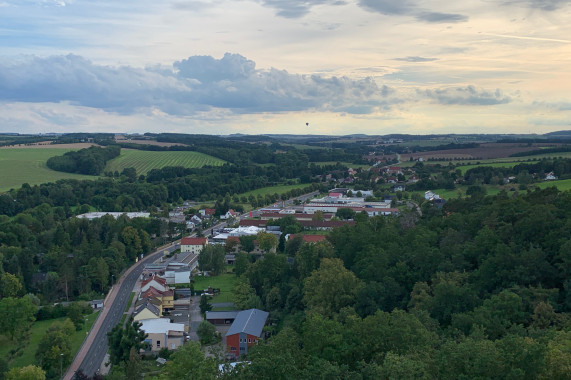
(61, 365)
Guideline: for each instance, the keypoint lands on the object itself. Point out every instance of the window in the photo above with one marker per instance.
(249, 340)
(232, 348)
(158, 344)
(240, 340)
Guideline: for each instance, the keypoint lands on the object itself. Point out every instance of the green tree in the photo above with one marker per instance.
(245, 295)
(16, 316)
(247, 242)
(10, 285)
(204, 305)
(133, 365)
(132, 241)
(190, 363)
(30, 372)
(55, 348)
(330, 288)
(211, 259)
(267, 241)
(122, 339)
(206, 332)
(345, 213)
(242, 263)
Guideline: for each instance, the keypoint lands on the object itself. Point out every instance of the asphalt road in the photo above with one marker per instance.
(96, 353)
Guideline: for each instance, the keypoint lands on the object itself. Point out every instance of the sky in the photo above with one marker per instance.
(285, 66)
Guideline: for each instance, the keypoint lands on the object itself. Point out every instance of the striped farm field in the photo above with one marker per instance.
(143, 161)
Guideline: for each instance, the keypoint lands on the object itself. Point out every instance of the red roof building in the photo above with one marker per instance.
(312, 238)
(193, 244)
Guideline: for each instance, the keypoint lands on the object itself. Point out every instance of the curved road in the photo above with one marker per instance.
(92, 352)
(95, 347)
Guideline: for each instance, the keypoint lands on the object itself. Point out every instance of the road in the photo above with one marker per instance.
(92, 353)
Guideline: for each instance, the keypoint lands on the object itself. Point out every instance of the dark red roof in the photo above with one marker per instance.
(313, 238)
(158, 279)
(326, 223)
(233, 238)
(209, 211)
(253, 222)
(193, 241)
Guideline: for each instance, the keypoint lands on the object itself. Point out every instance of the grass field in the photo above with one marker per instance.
(224, 281)
(144, 161)
(562, 185)
(279, 189)
(38, 330)
(28, 165)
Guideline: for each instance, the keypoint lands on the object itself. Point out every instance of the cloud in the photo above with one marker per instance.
(467, 95)
(297, 8)
(437, 17)
(545, 5)
(410, 8)
(416, 59)
(389, 7)
(196, 84)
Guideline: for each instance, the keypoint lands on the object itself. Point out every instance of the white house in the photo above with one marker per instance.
(193, 244)
(162, 333)
(229, 214)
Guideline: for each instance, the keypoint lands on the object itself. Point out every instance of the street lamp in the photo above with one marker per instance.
(61, 365)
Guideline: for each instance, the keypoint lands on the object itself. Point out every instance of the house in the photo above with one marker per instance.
(196, 219)
(207, 212)
(162, 333)
(245, 331)
(218, 318)
(146, 310)
(193, 244)
(190, 225)
(96, 304)
(229, 214)
(398, 188)
(550, 177)
(156, 282)
(430, 196)
(230, 259)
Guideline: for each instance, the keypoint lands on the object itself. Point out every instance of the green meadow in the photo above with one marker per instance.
(225, 282)
(28, 165)
(279, 189)
(143, 161)
(37, 331)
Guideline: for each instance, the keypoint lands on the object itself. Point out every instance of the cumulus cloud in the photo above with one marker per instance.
(198, 83)
(416, 59)
(468, 95)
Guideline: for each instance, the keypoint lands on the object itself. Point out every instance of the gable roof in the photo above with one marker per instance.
(157, 279)
(193, 241)
(250, 321)
(148, 305)
(152, 292)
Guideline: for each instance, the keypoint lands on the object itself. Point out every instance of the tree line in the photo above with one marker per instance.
(90, 161)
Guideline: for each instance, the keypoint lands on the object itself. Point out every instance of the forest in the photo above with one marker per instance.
(90, 161)
(480, 289)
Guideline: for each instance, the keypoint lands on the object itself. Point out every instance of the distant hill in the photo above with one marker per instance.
(564, 134)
